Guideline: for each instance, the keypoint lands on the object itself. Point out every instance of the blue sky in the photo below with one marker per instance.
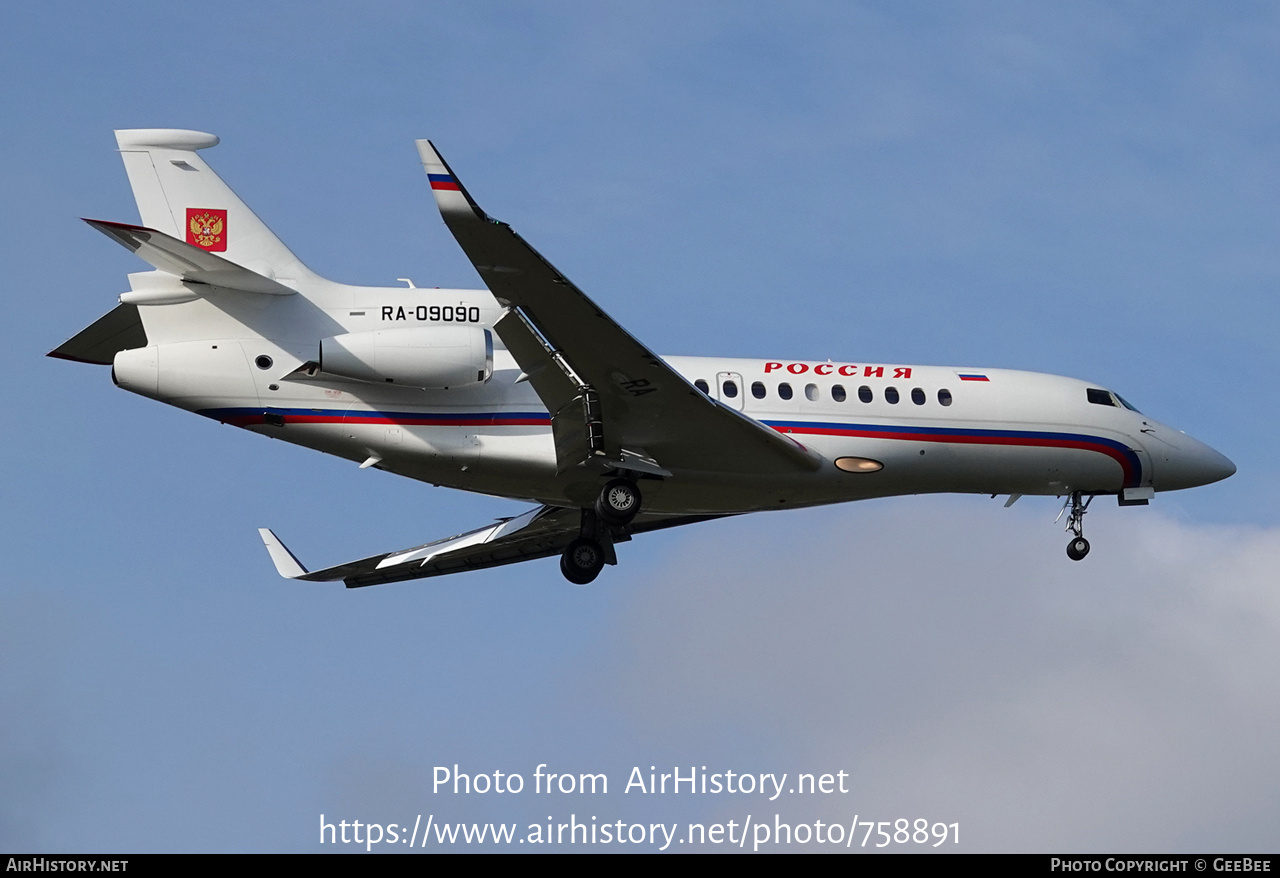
(1083, 189)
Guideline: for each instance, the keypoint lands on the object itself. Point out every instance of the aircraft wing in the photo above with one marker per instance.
(538, 533)
(613, 402)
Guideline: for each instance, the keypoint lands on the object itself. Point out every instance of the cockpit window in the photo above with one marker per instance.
(1100, 397)
(1124, 402)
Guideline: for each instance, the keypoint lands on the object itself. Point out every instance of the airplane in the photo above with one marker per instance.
(530, 390)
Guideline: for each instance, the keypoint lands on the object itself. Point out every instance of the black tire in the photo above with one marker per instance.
(618, 503)
(1077, 548)
(582, 561)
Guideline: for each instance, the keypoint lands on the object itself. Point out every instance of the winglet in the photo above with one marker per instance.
(286, 564)
(451, 196)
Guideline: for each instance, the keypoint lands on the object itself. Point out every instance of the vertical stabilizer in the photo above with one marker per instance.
(180, 195)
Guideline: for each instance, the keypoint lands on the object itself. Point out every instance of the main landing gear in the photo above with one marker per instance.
(616, 505)
(582, 561)
(1079, 546)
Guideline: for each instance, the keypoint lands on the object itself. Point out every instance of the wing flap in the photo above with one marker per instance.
(575, 419)
(555, 386)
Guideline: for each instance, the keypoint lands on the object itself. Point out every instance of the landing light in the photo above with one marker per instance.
(858, 464)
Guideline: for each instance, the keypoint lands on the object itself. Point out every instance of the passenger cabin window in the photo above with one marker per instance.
(864, 393)
(811, 392)
(784, 390)
(917, 396)
(757, 389)
(1100, 397)
(891, 395)
(702, 385)
(730, 389)
(837, 393)
(944, 397)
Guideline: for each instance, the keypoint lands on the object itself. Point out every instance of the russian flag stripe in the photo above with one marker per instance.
(443, 181)
(1117, 451)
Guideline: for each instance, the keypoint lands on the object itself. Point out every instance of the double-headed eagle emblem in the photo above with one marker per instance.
(207, 228)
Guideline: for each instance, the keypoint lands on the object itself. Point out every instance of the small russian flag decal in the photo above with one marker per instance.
(443, 181)
(972, 376)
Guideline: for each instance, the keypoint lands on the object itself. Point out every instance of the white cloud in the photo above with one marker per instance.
(950, 657)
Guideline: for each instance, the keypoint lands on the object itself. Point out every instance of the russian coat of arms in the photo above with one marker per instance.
(207, 228)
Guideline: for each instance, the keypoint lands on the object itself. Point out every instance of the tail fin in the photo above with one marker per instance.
(180, 195)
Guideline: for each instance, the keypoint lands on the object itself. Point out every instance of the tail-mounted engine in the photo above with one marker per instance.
(434, 357)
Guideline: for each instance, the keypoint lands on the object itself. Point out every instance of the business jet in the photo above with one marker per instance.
(529, 390)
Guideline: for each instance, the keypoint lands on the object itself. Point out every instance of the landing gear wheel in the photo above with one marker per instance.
(1077, 504)
(618, 503)
(582, 561)
(1077, 548)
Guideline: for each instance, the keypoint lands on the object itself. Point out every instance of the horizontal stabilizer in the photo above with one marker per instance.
(118, 330)
(187, 261)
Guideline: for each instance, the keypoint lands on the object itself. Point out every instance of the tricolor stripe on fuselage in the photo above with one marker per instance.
(1117, 451)
(248, 417)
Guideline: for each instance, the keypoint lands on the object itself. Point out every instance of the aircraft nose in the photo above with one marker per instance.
(1189, 463)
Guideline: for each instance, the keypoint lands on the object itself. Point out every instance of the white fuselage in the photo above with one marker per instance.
(950, 429)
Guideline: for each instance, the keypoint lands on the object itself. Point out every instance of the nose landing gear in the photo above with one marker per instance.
(1079, 546)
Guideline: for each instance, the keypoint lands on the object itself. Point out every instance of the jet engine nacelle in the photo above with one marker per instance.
(435, 357)
(206, 373)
